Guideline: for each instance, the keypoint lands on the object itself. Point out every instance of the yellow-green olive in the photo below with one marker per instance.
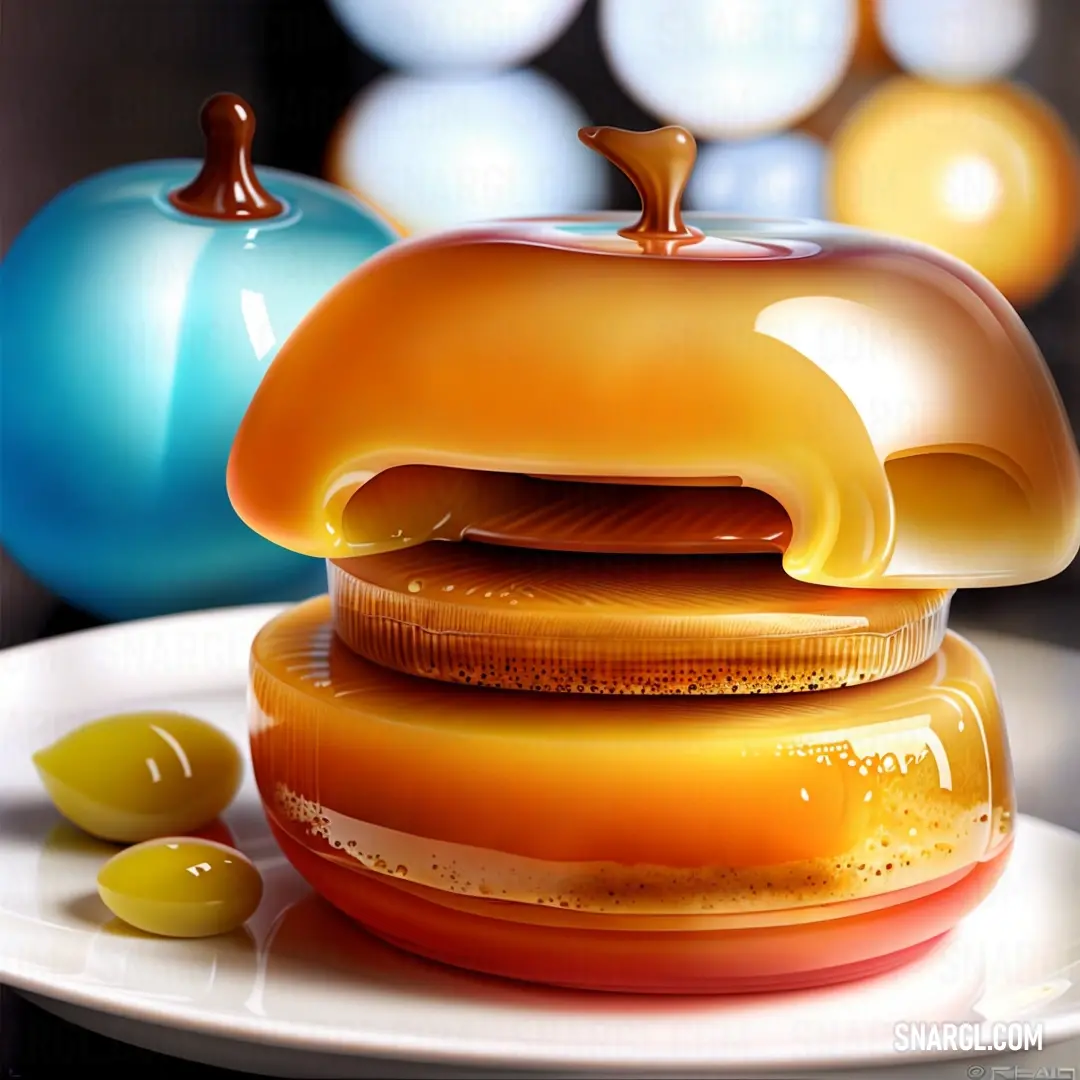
(181, 887)
(135, 776)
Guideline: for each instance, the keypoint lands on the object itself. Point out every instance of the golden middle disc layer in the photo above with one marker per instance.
(618, 624)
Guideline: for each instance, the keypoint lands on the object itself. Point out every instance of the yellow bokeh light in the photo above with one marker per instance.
(989, 174)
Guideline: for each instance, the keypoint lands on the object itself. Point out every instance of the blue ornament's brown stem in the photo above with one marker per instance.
(227, 188)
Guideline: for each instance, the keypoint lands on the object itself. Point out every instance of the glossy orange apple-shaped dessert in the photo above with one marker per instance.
(634, 673)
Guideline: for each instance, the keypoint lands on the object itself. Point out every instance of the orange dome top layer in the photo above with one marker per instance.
(885, 398)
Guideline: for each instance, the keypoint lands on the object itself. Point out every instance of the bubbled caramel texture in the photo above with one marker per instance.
(919, 840)
(563, 623)
(753, 804)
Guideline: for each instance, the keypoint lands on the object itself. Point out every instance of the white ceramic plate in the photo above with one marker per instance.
(304, 993)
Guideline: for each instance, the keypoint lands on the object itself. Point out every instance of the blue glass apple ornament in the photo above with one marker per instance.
(138, 312)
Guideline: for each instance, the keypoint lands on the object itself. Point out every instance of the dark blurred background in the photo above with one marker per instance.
(86, 86)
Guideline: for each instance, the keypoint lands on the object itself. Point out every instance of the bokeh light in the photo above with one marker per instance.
(729, 68)
(441, 151)
(778, 176)
(989, 174)
(961, 41)
(455, 35)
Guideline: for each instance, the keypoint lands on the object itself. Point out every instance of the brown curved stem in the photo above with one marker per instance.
(227, 188)
(658, 163)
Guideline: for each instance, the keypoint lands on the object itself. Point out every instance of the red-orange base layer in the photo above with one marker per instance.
(764, 958)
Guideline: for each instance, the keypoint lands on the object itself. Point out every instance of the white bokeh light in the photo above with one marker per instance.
(445, 35)
(972, 188)
(436, 152)
(729, 68)
(960, 41)
(780, 176)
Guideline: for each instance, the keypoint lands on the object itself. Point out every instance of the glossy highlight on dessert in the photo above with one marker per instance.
(641, 536)
(587, 348)
(550, 621)
(618, 814)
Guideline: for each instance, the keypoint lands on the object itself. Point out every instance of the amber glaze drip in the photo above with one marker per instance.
(227, 188)
(658, 163)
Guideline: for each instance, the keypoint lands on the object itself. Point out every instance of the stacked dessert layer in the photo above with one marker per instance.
(634, 672)
(551, 621)
(629, 807)
(641, 749)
